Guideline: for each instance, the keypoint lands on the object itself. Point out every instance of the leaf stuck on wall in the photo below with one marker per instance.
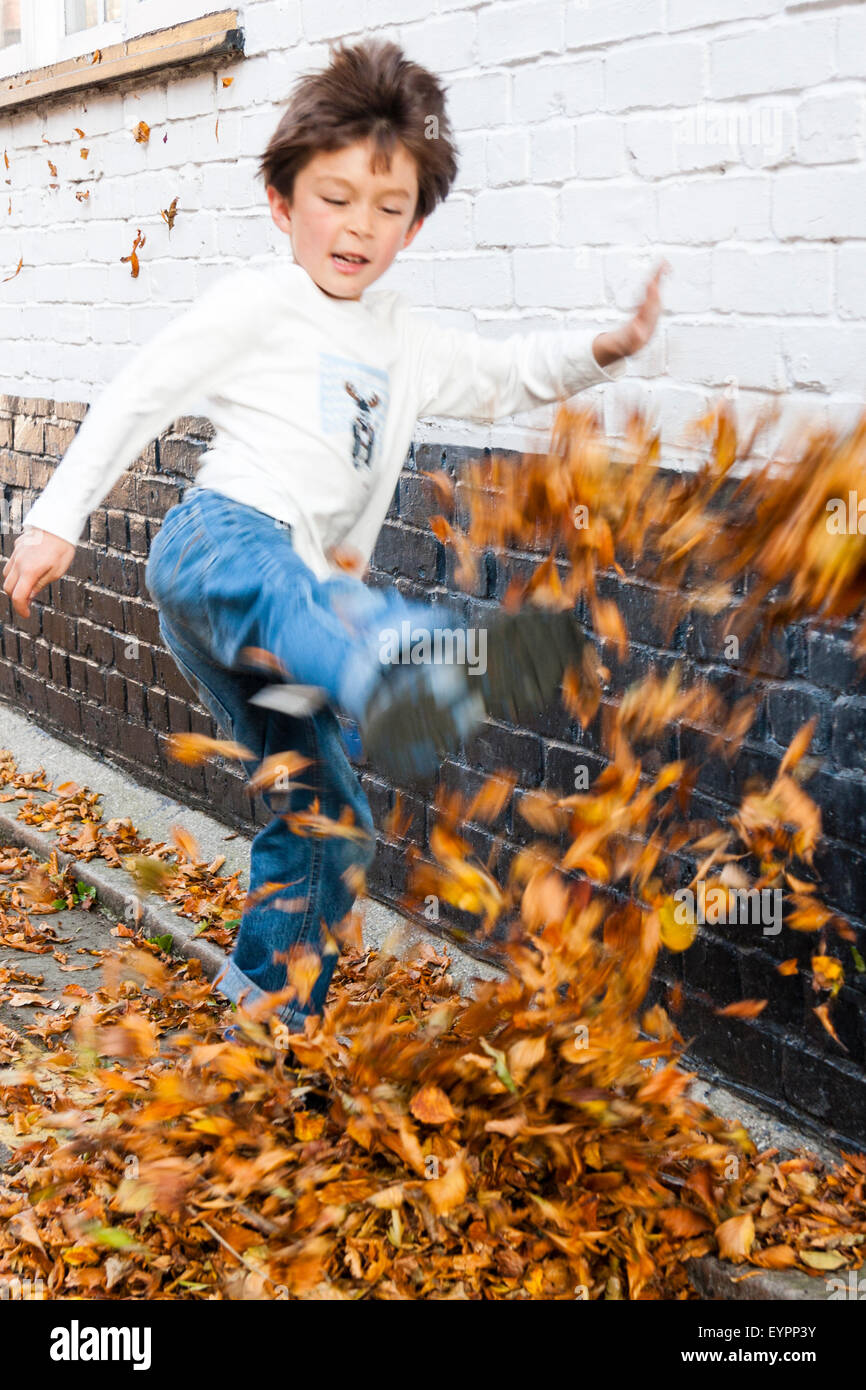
(132, 258)
(169, 214)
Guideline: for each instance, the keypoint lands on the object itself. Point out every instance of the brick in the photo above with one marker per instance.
(832, 1093)
(94, 683)
(58, 628)
(607, 214)
(154, 496)
(102, 607)
(43, 659)
(118, 535)
(115, 691)
(136, 699)
(140, 620)
(117, 574)
(178, 715)
(94, 643)
(588, 24)
(790, 706)
(410, 551)
(58, 439)
(848, 746)
(58, 667)
(497, 747)
(502, 31)
(668, 74)
(64, 711)
(819, 204)
(28, 435)
(711, 211)
(783, 58)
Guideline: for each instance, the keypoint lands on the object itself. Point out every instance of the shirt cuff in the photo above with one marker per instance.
(581, 368)
(46, 519)
(613, 371)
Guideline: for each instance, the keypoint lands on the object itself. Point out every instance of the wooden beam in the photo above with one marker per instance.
(214, 40)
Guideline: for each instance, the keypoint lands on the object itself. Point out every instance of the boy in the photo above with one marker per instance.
(314, 385)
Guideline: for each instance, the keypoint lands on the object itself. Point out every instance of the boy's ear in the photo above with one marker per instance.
(413, 232)
(281, 211)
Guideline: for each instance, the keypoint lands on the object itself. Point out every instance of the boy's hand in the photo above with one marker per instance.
(37, 559)
(634, 335)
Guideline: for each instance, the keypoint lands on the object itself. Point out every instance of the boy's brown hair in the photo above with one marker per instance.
(369, 90)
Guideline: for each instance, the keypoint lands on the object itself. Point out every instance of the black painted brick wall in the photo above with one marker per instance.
(89, 666)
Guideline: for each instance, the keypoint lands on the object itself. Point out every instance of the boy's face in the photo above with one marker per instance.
(339, 207)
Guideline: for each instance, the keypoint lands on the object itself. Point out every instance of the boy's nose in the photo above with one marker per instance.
(360, 224)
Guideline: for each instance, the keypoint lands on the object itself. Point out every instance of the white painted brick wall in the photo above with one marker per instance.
(595, 136)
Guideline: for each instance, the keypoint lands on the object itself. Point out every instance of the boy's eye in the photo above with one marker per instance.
(341, 202)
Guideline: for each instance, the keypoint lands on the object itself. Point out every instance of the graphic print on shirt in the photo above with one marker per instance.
(354, 399)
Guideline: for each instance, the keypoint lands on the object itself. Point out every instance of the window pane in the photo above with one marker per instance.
(10, 22)
(113, 9)
(82, 14)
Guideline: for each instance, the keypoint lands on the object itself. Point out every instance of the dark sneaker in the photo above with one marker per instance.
(528, 654)
(419, 713)
(415, 716)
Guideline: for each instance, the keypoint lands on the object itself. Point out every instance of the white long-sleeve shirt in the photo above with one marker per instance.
(314, 401)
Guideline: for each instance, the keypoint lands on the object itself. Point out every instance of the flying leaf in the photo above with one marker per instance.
(744, 1008)
(193, 749)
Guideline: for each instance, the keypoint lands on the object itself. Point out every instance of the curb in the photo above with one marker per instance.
(156, 918)
(717, 1279)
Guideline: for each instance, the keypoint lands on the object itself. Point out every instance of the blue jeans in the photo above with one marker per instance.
(225, 576)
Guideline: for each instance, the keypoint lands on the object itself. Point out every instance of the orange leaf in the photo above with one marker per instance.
(744, 1008)
(798, 745)
(193, 749)
(823, 1013)
(736, 1237)
(186, 844)
(431, 1106)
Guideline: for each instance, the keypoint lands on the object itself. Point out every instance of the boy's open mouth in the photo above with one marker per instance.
(348, 262)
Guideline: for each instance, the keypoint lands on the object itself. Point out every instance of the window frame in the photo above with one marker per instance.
(44, 41)
(104, 54)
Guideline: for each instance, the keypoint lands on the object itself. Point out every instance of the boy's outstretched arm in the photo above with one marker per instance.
(474, 378)
(486, 379)
(189, 356)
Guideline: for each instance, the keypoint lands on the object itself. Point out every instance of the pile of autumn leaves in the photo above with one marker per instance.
(538, 1140)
